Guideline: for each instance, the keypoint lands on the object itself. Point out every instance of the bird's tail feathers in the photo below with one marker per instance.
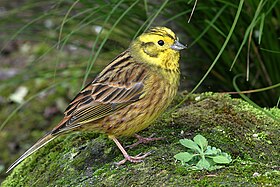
(40, 143)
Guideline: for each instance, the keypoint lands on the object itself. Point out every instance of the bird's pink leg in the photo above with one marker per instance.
(134, 159)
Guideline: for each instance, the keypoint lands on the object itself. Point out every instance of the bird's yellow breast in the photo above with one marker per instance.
(157, 96)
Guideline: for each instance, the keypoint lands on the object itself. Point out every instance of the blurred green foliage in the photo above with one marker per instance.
(105, 26)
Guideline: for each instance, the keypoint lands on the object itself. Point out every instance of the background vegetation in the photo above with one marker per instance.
(50, 49)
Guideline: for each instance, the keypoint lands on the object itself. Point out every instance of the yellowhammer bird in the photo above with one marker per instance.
(128, 95)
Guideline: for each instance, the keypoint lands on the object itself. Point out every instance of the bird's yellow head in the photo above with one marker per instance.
(158, 46)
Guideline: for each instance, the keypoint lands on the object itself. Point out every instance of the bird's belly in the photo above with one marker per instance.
(138, 115)
(130, 120)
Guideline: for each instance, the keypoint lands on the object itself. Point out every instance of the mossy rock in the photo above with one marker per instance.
(86, 159)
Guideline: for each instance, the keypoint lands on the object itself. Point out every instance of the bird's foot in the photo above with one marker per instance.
(143, 140)
(134, 159)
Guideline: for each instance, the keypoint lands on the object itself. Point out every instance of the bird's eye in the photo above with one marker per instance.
(160, 42)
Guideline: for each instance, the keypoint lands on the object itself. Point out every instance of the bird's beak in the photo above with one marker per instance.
(177, 46)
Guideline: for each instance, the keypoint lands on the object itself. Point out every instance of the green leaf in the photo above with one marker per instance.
(184, 156)
(203, 164)
(219, 151)
(221, 159)
(211, 151)
(190, 144)
(201, 141)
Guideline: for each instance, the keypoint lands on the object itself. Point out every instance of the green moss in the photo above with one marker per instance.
(85, 159)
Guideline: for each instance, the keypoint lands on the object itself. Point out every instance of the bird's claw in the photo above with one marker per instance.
(134, 159)
(143, 140)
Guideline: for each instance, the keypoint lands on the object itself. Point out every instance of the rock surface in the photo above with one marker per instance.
(86, 159)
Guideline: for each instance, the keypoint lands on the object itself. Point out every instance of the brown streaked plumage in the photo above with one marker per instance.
(128, 95)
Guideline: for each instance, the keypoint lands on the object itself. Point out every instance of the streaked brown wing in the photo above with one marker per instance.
(101, 101)
(105, 95)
